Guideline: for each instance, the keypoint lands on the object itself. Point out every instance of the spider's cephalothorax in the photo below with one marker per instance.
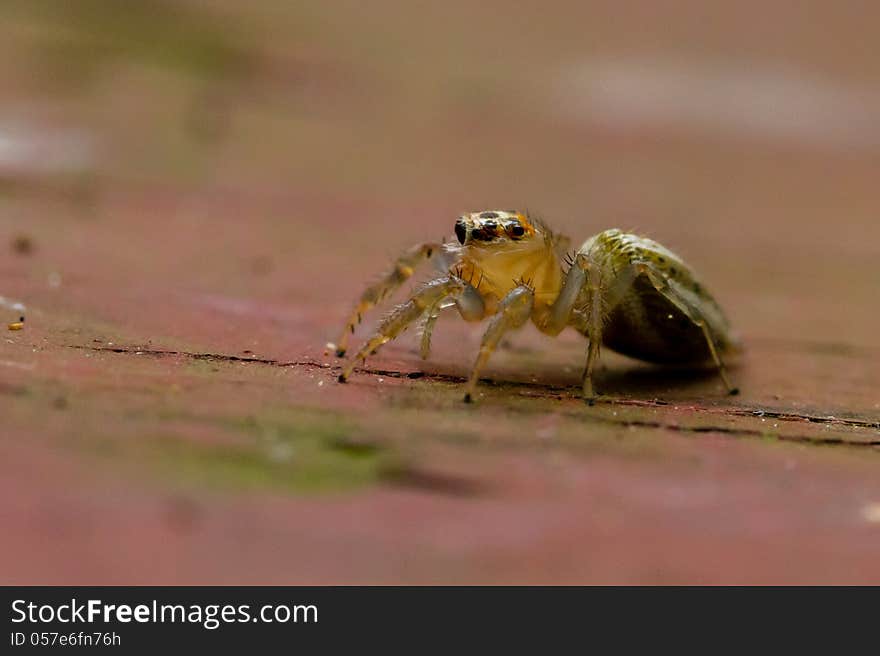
(499, 250)
(625, 291)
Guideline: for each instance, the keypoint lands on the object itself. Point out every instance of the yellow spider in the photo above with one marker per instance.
(624, 291)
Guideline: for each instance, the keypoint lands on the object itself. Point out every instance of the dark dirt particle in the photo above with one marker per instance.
(23, 245)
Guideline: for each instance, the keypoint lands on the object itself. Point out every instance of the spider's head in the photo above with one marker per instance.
(494, 228)
(499, 248)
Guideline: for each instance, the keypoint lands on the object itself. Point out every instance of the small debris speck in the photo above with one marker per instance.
(23, 245)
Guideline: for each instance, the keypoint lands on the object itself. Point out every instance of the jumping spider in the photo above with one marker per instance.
(625, 291)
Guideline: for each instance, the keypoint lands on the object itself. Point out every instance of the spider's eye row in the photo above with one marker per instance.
(517, 230)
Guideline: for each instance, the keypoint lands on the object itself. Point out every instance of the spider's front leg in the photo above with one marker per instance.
(513, 311)
(402, 271)
(427, 300)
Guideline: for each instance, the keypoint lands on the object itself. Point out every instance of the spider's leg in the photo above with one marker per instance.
(403, 269)
(428, 296)
(469, 304)
(552, 319)
(427, 330)
(513, 311)
(595, 317)
(582, 274)
(663, 286)
(605, 288)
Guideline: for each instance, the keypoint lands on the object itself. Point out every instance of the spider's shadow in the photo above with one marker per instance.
(657, 380)
(619, 379)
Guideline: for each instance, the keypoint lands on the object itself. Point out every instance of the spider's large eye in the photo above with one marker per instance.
(517, 230)
(460, 231)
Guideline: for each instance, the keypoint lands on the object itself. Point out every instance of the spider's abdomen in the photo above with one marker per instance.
(648, 327)
(645, 323)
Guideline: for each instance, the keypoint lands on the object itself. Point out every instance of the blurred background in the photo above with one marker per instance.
(752, 128)
(194, 180)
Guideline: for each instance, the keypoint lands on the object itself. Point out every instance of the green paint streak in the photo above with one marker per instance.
(307, 452)
(313, 453)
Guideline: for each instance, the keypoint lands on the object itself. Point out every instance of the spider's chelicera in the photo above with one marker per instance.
(618, 289)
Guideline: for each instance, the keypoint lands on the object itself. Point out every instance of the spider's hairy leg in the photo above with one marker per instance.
(513, 311)
(607, 286)
(552, 319)
(470, 306)
(403, 269)
(662, 285)
(594, 330)
(427, 332)
(429, 296)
